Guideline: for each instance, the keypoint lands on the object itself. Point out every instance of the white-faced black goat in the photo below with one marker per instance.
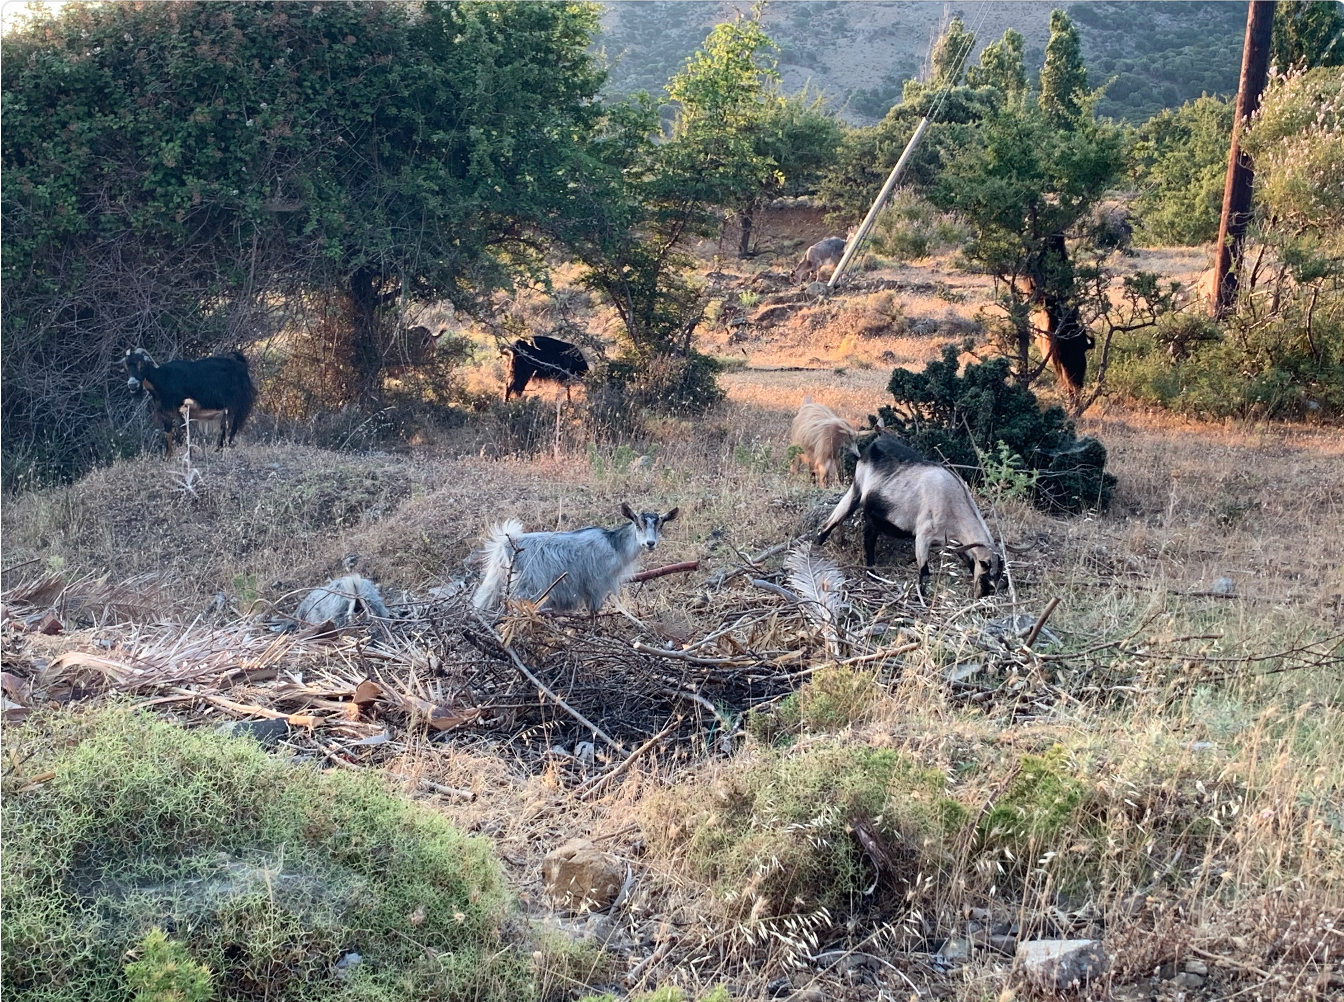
(220, 383)
(903, 495)
(574, 570)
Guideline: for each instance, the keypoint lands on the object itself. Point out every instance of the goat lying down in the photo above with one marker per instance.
(822, 435)
(903, 495)
(573, 570)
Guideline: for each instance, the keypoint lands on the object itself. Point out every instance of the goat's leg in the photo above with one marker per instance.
(224, 428)
(842, 511)
(922, 544)
(870, 534)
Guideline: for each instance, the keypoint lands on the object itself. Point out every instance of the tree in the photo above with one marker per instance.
(950, 53)
(1180, 167)
(172, 172)
(1001, 65)
(1064, 91)
(1307, 34)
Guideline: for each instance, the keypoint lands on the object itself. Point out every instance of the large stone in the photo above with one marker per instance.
(579, 878)
(1061, 963)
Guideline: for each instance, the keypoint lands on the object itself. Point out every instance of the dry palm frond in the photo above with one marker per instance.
(821, 586)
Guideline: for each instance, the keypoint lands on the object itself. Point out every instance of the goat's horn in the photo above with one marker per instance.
(963, 547)
(1018, 549)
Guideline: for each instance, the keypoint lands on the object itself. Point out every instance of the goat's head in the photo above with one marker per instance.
(648, 524)
(136, 361)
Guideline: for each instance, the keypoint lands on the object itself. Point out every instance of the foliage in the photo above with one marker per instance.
(1001, 65)
(1063, 90)
(269, 871)
(1307, 34)
(910, 227)
(950, 52)
(183, 176)
(956, 418)
(165, 972)
(776, 837)
(1042, 803)
(1180, 166)
(1006, 476)
(1183, 49)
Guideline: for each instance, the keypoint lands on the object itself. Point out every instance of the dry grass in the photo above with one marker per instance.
(1213, 817)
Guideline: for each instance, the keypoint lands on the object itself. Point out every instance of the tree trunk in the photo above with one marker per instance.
(366, 349)
(744, 240)
(1238, 188)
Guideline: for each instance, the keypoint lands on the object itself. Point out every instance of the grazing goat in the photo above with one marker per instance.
(218, 386)
(545, 358)
(340, 600)
(820, 254)
(903, 495)
(822, 435)
(569, 570)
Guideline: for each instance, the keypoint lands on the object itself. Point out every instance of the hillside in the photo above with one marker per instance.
(859, 54)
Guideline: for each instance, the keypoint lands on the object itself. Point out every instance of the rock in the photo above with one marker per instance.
(580, 879)
(955, 950)
(1187, 980)
(50, 625)
(345, 967)
(1061, 963)
(962, 673)
(1223, 586)
(812, 993)
(268, 733)
(1007, 945)
(771, 315)
(818, 289)
(1196, 967)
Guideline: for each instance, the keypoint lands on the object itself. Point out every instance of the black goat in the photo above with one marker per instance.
(218, 383)
(545, 358)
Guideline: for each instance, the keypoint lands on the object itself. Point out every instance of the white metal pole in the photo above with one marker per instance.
(852, 247)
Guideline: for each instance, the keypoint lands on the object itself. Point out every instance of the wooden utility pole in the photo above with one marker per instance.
(1237, 190)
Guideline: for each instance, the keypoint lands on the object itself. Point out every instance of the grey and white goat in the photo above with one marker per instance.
(570, 570)
(903, 495)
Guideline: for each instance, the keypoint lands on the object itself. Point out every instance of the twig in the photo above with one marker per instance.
(589, 788)
(657, 572)
(889, 652)
(1040, 623)
(518, 663)
(770, 586)
(447, 791)
(635, 977)
(691, 658)
(695, 697)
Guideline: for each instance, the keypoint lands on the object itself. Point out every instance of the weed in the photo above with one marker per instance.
(748, 298)
(1005, 475)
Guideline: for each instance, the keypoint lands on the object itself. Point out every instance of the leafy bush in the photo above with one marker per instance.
(958, 418)
(1180, 167)
(911, 227)
(778, 837)
(265, 873)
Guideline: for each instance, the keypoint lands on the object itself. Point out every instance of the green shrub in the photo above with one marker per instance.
(165, 972)
(959, 418)
(265, 873)
(777, 837)
(910, 228)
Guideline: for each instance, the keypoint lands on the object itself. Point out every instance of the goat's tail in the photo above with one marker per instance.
(249, 396)
(497, 563)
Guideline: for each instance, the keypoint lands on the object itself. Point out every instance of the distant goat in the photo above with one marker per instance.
(820, 254)
(544, 358)
(571, 570)
(218, 386)
(822, 435)
(903, 495)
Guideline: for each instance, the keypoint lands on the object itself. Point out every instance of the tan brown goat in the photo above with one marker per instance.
(821, 434)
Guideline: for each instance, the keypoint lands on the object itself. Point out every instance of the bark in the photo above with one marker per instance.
(1240, 179)
(366, 348)
(744, 240)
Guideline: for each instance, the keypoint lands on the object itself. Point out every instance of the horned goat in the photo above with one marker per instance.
(818, 256)
(903, 495)
(564, 571)
(821, 434)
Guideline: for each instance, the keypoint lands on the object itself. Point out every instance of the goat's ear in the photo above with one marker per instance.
(671, 515)
(628, 513)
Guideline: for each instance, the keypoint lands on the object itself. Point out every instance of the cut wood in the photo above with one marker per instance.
(657, 572)
(590, 787)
